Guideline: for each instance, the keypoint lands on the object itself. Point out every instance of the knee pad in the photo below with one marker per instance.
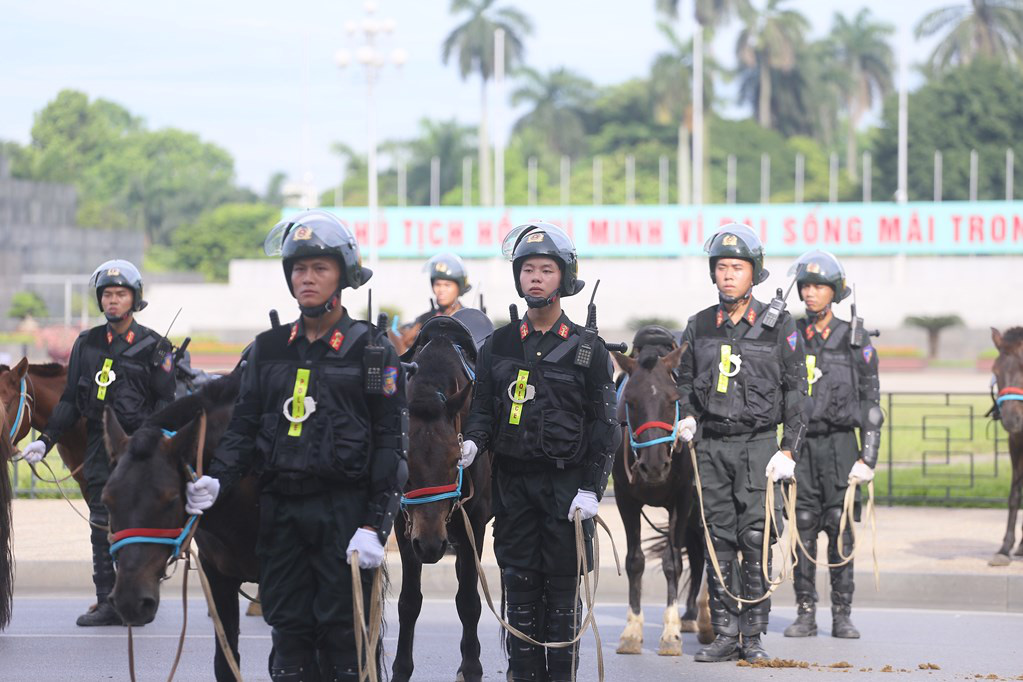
(522, 586)
(751, 540)
(807, 521)
(561, 591)
(832, 520)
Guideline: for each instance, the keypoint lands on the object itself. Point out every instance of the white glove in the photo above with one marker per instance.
(469, 450)
(687, 429)
(860, 473)
(586, 502)
(201, 494)
(367, 544)
(34, 452)
(781, 467)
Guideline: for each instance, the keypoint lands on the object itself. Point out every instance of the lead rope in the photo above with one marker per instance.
(590, 619)
(366, 641)
(770, 521)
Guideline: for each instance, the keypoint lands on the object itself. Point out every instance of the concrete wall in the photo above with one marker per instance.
(888, 289)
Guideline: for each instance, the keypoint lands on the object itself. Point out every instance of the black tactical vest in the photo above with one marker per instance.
(834, 396)
(129, 394)
(547, 429)
(335, 442)
(750, 401)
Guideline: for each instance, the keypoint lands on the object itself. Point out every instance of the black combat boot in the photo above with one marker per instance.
(754, 617)
(841, 625)
(805, 624)
(724, 616)
(564, 613)
(524, 596)
(103, 577)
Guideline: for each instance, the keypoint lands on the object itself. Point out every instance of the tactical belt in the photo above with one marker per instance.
(731, 428)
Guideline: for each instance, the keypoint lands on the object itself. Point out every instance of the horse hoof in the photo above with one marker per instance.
(630, 645)
(670, 647)
(690, 626)
(255, 609)
(1000, 560)
(705, 636)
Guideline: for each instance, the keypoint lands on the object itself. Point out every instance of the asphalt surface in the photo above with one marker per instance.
(43, 644)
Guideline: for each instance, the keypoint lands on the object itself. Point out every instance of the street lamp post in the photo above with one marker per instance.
(373, 59)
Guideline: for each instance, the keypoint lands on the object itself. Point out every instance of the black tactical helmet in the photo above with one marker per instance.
(820, 267)
(450, 267)
(544, 239)
(317, 233)
(118, 273)
(656, 336)
(737, 241)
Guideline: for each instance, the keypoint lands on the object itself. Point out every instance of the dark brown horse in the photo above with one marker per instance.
(6, 496)
(1008, 371)
(438, 399)
(146, 489)
(37, 389)
(648, 471)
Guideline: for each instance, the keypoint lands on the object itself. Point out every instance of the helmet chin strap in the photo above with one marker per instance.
(816, 317)
(322, 309)
(540, 301)
(117, 318)
(732, 300)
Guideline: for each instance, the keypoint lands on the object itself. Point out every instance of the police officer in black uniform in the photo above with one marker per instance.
(321, 417)
(739, 378)
(844, 393)
(449, 280)
(120, 364)
(544, 405)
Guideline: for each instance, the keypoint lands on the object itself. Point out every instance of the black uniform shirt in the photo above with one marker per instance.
(536, 344)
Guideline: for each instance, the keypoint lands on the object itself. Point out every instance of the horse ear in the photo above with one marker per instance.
(625, 362)
(996, 336)
(182, 444)
(21, 369)
(456, 402)
(114, 436)
(671, 360)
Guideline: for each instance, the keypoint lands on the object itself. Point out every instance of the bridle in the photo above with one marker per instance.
(1009, 393)
(646, 426)
(23, 409)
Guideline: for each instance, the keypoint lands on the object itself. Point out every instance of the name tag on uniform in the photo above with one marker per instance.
(298, 402)
(104, 378)
(520, 394)
(811, 373)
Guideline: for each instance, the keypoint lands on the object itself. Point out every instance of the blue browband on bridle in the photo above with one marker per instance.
(639, 445)
(434, 494)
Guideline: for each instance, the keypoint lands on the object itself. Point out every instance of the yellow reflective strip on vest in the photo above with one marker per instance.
(811, 364)
(104, 376)
(726, 363)
(298, 401)
(520, 394)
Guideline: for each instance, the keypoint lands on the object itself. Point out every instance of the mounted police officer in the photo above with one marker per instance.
(120, 364)
(544, 405)
(740, 376)
(321, 417)
(844, 394)
(449, 280)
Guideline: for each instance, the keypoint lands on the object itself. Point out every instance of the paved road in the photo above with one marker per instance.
(43, 644)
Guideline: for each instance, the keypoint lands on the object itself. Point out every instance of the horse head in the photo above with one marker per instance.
(1008, 371)
(438, 399)
(649, 406)
(145, 491)
(11, 398)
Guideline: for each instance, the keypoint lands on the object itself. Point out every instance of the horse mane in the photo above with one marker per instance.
(437, 365)
(1012, 339)
(49, 369)
(216, 394)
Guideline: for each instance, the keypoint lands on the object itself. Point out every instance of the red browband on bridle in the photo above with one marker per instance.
(652, 425)
(145, 533)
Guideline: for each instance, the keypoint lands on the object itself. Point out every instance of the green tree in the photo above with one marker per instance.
(221, 234)
(472, 44)
(978, 106)
(27, 304)
(769, 42)
(864, 54)
(988, 29)
(555, 100)
(274, 189)
(448, 141)
(934, 325)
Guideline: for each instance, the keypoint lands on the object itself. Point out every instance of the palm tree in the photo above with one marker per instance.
(555, 100)
(472, 42)
(992, 29)
(769, 42)
(449, 141)
(862, 50)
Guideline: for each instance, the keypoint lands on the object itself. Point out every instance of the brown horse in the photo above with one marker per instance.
(438, 400)
(6, 496)
(1008, 371)
(37, 388)
(146, 489)
(648, 471)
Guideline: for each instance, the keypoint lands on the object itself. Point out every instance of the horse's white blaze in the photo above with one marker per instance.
(671, 636)
(653, 389)
(631, 641)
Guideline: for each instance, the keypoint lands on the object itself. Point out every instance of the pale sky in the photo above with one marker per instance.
(258, 77)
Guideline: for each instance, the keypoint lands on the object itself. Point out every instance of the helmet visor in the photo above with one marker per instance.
(327, 232)
(560, 239)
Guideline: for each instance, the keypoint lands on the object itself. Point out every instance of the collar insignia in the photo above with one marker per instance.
(130, 337)
(523, 330)
(563, 331)
(294, 333)
(751, 316)
(336, 340)
(110, 337)
(720, 317)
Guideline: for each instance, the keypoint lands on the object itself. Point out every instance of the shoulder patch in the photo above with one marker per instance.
(792, 339)
(336, 340)
(563, 331)
(868, 353)
(168, 363)
(390, 378)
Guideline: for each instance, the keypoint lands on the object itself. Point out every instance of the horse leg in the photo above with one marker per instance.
(1015, 491)
(467, 601)
(671, 563)
(225, 598)
(410, 603)
(631, 641)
